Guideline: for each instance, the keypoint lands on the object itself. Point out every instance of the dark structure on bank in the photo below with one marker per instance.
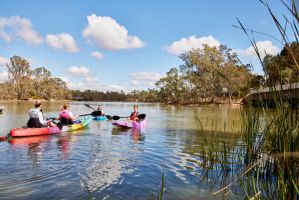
(269, 96)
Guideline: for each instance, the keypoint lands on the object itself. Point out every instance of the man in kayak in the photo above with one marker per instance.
(66, 117)
(134, 114)
(100, 111)
(36, 118)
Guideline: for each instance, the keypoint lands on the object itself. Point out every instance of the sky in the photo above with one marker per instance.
(128, 44)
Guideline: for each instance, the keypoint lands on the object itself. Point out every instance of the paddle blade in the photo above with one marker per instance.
(115, 117)
(142, 116)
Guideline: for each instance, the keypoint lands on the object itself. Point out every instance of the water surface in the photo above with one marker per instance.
(105, 162)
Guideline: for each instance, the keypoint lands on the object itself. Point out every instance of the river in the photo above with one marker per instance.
(105, 162)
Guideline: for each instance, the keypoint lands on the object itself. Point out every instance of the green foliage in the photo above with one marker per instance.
(172, 87)
(206, 73)
(19, 73)
(25, 83)
(282, 69)
(93, 95)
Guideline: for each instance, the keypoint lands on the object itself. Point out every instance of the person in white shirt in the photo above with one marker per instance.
(36, 118)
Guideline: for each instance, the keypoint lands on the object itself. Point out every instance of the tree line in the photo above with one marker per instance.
(25, 83)
(206, 75)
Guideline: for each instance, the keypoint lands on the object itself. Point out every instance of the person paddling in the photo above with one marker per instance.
(66, 117)
(100, 111)
(36, 118)
(134, 114)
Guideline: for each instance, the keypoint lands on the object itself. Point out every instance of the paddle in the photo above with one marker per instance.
(89, 106)
(141, 117)
(96, 112)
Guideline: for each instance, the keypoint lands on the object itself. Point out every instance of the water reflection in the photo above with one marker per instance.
(63, 144)
(115, 163)
(136, 135)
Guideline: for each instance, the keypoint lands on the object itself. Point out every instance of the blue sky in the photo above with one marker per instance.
(136, 42)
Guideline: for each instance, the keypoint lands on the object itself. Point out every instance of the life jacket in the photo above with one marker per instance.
(64, 117)
(96, 113)
(133, 116)
(33, 121)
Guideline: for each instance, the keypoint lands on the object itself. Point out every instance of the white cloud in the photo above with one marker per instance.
(64, 78)
(63, 41)
(193, 42)
(17, 27)
(91, 83)
(97, 55)
(264, 47)
(145, 78)
(79, 71)
(108, 34)
(3, 61)
(3, 76)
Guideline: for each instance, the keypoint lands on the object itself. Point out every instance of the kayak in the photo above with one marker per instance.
(29, 140)
(130, 124)
(100, 118)
(23, 132)
(84, 122)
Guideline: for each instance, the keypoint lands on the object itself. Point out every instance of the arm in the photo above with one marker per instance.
(41, 119)
(72, 116)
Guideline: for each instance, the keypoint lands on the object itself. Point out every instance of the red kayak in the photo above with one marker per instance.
(28, 140)
(20, 132)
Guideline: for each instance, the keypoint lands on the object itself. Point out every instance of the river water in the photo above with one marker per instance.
(105, 162)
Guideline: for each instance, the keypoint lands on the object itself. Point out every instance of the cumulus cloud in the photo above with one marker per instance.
(145, 78)
(21, 28)
(91, 83)
(193, 42)
(264, 47)
(108, 34)
(3, 76)
(97, 55)
(79, 71)
(63, 41)
(3, 61)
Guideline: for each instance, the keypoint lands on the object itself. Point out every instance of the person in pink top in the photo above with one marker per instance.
(66, 117)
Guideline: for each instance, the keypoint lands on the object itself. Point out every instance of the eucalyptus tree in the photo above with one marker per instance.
(201, 67)
(282, 68)
(41, 80)
(172, 87)
(19, 72)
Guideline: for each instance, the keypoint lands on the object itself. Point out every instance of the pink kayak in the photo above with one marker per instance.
(131, 124)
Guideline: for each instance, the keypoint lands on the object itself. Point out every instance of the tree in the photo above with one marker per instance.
(18, 72)
(41, 79)
(201, 69)
(282, 69)
(172, 87)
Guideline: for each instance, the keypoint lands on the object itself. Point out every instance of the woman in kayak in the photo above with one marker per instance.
(134, 114)
(66, 117)
(36, 118)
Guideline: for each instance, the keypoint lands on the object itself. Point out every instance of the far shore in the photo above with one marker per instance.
(218, 104)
